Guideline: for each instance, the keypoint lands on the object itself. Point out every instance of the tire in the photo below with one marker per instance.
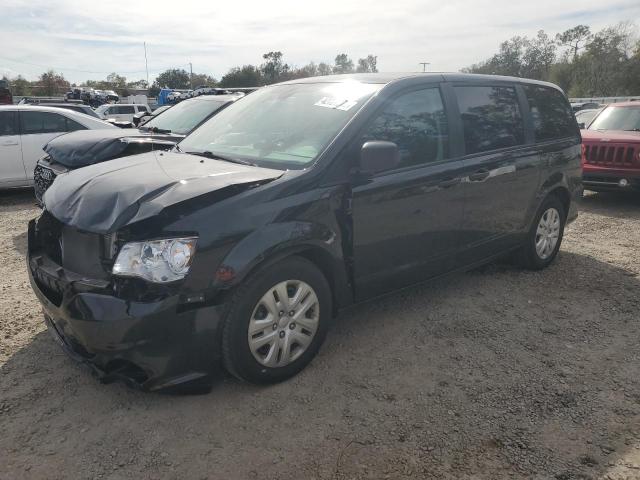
(288, 341)
(533, 257)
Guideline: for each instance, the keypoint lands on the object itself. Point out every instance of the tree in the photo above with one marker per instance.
(203, 79)
(575, 38)
(116, 82)
(245, 76)
(273, 69)
(324, 69)
(539, 55)
(343, 64)
(20, 86)
(138, 84)
(51, 83)
(173, 78)
(368, 64)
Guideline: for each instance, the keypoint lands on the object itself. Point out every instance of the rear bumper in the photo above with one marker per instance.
(150, 345)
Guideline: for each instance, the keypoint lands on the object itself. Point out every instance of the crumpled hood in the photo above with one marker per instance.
(104, 197)
(86, 147)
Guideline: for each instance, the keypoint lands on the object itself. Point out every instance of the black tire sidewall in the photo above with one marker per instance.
(534, 260)
(238, 357)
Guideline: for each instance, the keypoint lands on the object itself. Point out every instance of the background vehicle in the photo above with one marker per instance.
(75, 107)
(141, 118)
(5, 93)
(304, 197)
(611, 156)
(26, 129)
(121, 112)
(80, 149)
(576, 107)
(585, 117)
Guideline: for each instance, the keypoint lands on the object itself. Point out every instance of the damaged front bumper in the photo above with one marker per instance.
(151, 345)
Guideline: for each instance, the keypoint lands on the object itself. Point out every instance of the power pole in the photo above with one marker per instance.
(146, 64)
(191, 75)
(424, 66)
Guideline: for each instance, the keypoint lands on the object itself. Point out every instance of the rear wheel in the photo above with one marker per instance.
(276, 322)
(543, 240)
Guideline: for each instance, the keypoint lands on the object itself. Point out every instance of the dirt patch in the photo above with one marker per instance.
(497, 373)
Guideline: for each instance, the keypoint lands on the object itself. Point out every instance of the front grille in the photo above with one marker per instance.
(43, 177)
(611, 155)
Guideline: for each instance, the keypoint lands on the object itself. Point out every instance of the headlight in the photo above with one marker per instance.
(157, 260)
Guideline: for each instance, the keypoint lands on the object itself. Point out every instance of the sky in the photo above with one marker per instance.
(89, 39)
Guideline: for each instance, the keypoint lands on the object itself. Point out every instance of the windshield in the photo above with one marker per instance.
(618, 118)
(102, 108)
(282, 126)
(184, 117)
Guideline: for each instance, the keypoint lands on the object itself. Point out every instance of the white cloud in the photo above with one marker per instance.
(80, 38)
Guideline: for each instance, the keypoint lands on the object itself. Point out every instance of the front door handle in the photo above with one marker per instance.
(479, 176)
(449, 182)
(8, 143)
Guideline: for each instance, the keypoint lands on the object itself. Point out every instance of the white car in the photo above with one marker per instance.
(121, 111)
(26, 129)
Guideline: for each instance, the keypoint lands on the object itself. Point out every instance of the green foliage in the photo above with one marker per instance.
(343, 64)
(245, 76)
(367, 64)
(51, 83)
(173, 78)
(21, 86)
(604, 64)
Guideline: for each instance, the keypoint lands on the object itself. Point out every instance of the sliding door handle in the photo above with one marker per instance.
(479, 176)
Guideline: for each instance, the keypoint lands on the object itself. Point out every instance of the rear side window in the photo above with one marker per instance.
(551, 113)
(72, 125)
(8, 124)
(417, 123)
(491, 118)
(42, 122)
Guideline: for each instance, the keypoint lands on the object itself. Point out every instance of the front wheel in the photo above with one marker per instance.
(545, 236)
(276, 322)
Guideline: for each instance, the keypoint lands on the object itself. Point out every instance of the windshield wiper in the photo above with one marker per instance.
(215, 156)
(633, 130)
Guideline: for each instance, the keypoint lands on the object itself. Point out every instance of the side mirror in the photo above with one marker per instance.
(378, 155)
(581, 125)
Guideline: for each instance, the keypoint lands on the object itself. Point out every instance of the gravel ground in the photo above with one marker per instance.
(497, 373)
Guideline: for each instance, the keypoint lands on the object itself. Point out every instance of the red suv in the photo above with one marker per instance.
(611, 149)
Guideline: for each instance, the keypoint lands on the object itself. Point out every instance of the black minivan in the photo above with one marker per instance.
(238, 247)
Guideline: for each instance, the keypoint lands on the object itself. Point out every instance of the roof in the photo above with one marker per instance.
(213, 98)
(81, 118)
(626, 104)
(385, 78)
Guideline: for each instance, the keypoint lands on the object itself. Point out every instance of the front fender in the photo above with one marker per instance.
(266, 246)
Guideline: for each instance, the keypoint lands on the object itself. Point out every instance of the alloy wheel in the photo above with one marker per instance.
(283, 323)
(547, 233)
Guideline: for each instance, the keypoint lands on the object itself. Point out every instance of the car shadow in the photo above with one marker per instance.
(496, 372)
(612, 204)
(16, 199)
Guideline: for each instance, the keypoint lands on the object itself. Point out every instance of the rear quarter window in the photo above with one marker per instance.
(491, 117)
(551, 113)
(8, 124)
(42, 122)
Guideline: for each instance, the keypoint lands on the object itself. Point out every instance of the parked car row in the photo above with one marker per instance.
(79, 149)
(26, 129)
(235, 248)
